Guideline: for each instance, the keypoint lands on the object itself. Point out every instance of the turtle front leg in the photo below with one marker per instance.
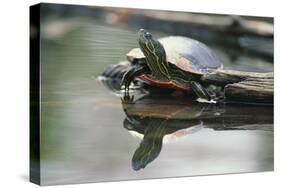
(132, 73)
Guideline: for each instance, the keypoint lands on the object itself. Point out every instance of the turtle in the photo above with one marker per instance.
(174, 61)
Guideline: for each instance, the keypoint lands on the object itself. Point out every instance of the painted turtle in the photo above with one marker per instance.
(173, 61)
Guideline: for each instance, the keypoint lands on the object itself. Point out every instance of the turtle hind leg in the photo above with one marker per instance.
(196, 87)
(200, 91)
(190, 81)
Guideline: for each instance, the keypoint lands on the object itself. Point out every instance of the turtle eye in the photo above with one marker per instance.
(148, 35)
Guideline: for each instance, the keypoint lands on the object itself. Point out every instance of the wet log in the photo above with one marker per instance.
(243, 86)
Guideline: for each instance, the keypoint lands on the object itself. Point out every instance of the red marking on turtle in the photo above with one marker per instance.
(161, 83)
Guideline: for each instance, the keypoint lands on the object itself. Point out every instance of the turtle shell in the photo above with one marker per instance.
(188, 54)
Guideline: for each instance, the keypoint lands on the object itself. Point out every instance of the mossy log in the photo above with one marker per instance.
(243, 86)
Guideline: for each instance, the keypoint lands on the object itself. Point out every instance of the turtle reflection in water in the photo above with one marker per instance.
(156, 120)
(159, 118)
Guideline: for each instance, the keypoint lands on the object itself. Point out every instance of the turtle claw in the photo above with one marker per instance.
(127, 98)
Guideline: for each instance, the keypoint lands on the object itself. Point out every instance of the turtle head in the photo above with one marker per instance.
(144, 36)
(150, 46)
(154, 53)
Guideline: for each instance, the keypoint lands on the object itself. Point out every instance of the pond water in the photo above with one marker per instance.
(86, 136)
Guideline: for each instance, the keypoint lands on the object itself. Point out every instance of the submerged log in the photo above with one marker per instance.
(243, 86)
